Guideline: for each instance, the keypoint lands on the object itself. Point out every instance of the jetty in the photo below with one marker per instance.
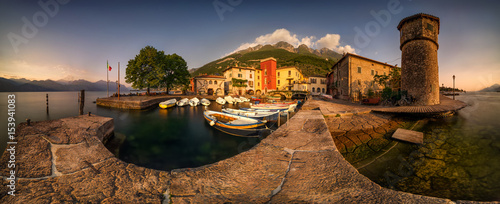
(65, 161)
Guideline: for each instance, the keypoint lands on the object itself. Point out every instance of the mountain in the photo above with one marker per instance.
(309, 61)
(14, 85)
(493, 88)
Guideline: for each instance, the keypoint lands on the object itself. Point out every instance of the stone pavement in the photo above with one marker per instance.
(64, 161)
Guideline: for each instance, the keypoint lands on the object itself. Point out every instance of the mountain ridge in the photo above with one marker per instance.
(24, 85)
(492, 88)
(309, 61)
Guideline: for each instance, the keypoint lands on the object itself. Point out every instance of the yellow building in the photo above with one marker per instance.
(240, 80)
(287, 76)
(258, 80)
(209, 84)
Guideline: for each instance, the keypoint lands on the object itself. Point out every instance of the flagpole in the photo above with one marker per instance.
(107, 77)
(118, 80)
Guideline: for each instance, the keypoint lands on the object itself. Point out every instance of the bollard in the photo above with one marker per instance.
(82, 101)
(279, 118)
(89, 113)
(28, 121)
(287, 118)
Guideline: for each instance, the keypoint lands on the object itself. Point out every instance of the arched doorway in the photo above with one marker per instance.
(210, 91)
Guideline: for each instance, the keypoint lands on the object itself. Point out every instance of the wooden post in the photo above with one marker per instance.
(287, 118)
(453, 87)
(279, 118)
(47, 102)
(82, 101)
(118, 81)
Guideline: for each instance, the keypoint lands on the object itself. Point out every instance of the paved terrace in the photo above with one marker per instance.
(65, 161)
(143, 102)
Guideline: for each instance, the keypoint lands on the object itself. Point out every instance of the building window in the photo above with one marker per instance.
(323, 90)
(210, 82)
(373, 72)
(265, 72)
(278, 74)
(318, 90)
(359, 69)
(289, 73)
(359, 82)
(376, 72)
(258, 83)
(240, 75)
(230, 75)
(430, 27)
(250, 76)
(240, 70)
(215, 82)
(278, 82)
(313, 89)
(250, 83)
(258, 77)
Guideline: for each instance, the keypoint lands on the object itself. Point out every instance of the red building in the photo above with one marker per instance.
(268, 67)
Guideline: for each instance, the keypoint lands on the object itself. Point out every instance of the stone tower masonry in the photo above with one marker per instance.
(419, 63)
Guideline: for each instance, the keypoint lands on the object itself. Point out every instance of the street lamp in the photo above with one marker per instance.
(453, 87)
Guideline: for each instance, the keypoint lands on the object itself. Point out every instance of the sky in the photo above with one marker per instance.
(74, 39)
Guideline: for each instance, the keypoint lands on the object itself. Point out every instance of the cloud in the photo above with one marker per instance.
(330, 41)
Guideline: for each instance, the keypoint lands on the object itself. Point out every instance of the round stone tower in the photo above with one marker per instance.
(419, 62)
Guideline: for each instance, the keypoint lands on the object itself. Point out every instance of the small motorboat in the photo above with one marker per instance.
(205, 102)
(235, 125)
(253, 98)
(183, 102)
(194, 101)
(243, 99)
(261, 115)
(237, 100)
(289, 108)
(229, 100)
(276, 97)
(220, 101)
(168, 103)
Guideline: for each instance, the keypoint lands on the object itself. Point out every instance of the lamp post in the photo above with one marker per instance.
(453, 87)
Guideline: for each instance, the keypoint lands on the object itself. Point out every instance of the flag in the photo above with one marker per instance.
(109, 67)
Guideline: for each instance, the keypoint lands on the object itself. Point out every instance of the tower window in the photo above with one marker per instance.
(373, 72)
(359, 69)
(430, 27)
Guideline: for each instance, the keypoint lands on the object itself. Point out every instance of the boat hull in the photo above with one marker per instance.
(247, 130)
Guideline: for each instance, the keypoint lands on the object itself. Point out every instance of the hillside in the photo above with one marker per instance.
(309, 61)
(493, 88)
(16, 85)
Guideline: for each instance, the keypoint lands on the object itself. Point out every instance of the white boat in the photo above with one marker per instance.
(220, 101)
(183, 102)
(229, 99)
(237, 100)
(168, 103)
(243, 99)
(205, 102)
(194, 101)
(261, 115)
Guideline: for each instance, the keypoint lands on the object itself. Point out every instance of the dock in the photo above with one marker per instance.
(143, 102)
(409, 136)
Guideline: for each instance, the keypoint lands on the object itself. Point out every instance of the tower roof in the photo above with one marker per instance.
(416, 16)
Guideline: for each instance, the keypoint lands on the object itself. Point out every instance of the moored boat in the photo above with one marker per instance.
(183, 102)
(229, 99)
(194, 101)
(253, 98)
(220, 100)
(237, 100)
(243, 99)
(205, 102)
(233, 124)
(168, 103)
(261, 115)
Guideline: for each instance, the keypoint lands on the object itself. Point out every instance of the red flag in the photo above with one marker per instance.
(109, 67)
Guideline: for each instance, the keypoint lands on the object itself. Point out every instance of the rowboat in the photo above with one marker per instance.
(194, 101)
(220, 101)
(168, 103)
(229, 100)
(261, 115)
(205, 102)
(183, 102)
(233, 124)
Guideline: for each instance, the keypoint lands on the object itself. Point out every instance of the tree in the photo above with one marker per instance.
(381, 79)
(395, 78)
(152, 68)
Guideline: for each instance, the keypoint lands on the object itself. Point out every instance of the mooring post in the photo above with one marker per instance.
(47, 102)
(28, 121)
(287, 118)
(82, 101)
(279, 118)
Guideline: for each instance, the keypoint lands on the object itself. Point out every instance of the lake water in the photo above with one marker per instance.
(460, 157)
(178, 137)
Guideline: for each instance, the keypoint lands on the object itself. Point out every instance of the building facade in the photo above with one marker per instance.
(419, 62)
(352, 77)
(317, 85)
(240, 80)
(287, 76)
(268, 74)
(208, 84)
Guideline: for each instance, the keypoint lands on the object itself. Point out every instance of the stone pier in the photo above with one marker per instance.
(65, 161)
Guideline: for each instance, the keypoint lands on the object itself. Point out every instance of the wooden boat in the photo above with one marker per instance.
(194, 101)
(168, 103)
(205, 102)
(261, 115)
(233, 124)
(229, 100)
(183, 102)
(220, 100)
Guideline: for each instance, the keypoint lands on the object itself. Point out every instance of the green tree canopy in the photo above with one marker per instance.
(152, 69)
